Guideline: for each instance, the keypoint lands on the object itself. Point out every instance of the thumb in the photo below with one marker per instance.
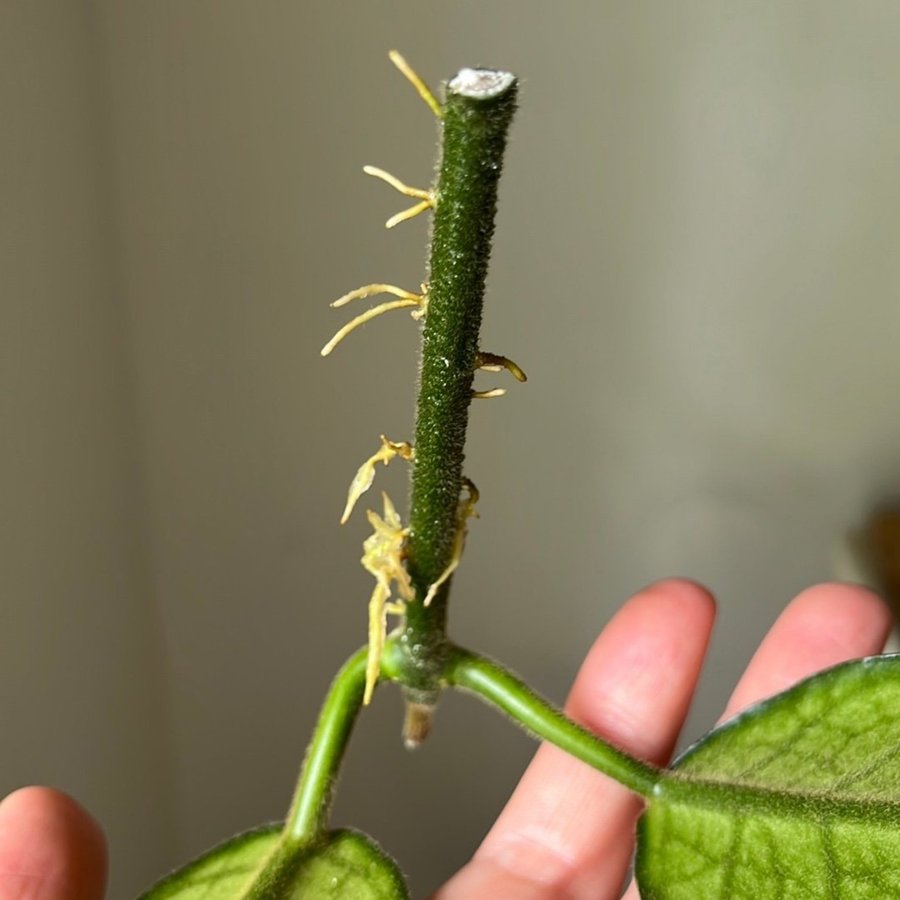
(50, 848)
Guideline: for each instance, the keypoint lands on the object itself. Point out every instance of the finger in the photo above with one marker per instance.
(821, 627)
(561, 833)
(50, 848)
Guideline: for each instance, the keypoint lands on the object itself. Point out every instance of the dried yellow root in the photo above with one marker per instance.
(488, 395)
(420, 86)
(365, 475)
(493, 362)
(407, 299)
(464, 512)
(383, 557)
(425, 198)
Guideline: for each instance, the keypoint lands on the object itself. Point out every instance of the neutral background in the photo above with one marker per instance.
(696, 263)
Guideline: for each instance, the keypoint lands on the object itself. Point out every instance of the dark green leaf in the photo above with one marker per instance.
(256, 865)
(799, 797)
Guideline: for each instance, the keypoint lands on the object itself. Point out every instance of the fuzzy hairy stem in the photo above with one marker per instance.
(309, 810)
(503, 690)
(476, 116)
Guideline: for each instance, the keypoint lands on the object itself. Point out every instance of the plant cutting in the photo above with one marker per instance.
(798, 796)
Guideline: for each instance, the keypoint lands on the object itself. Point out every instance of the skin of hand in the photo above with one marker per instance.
(567, 831)
(50, 848)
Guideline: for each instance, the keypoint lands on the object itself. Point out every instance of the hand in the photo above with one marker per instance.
(567, 831)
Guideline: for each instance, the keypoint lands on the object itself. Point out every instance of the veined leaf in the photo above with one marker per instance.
(346, 864)
(798, 797)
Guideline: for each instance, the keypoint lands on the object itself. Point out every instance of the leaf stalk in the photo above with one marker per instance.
(308, 816)
(503, 690)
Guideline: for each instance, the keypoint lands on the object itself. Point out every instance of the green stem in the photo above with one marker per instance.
(307, 818)
(475, 119)
(502, 689)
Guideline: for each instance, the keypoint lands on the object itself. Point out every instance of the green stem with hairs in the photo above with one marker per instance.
(503, 690)
(308, 815)
(475, 119)
(463, 669)
(476, 115)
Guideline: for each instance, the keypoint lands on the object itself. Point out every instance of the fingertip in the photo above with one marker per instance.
(822, 626)
(650, 617)
(678, 594)
(51, 848)
(679, 586)
(828, 623)
(835, 606)
(646, 660)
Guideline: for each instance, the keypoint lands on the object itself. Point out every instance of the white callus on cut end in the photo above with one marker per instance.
(481, 84)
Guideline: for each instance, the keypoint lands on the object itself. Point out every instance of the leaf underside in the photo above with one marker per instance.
(799, 797)
(345, 864)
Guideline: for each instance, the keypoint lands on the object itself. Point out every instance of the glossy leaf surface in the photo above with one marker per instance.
(799, 797)
(347, 864)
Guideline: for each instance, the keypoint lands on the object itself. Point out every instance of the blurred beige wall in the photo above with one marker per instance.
(81, 667)
(696, 263)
